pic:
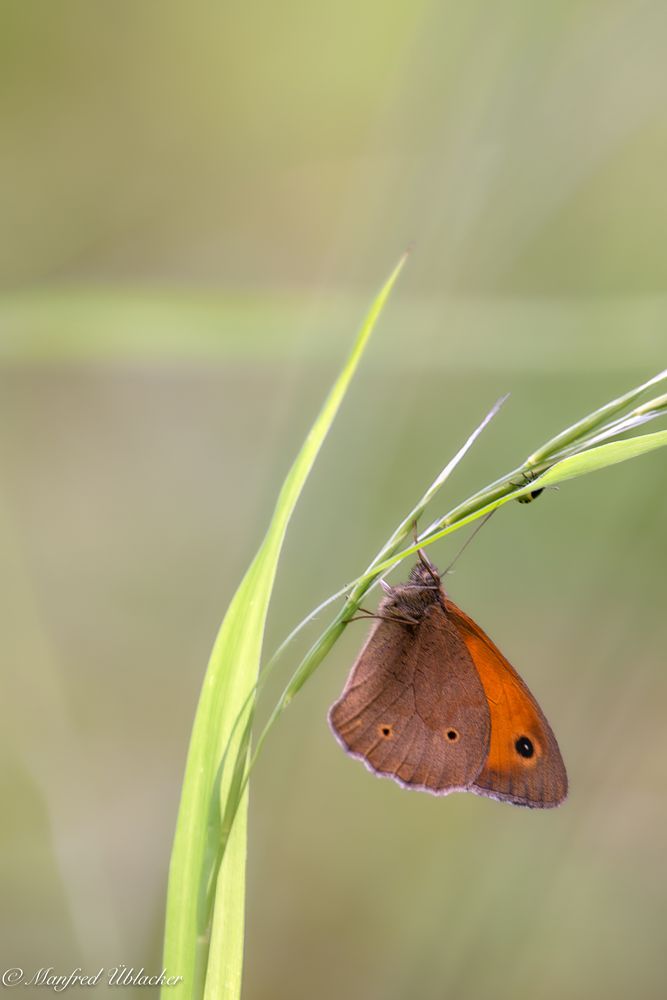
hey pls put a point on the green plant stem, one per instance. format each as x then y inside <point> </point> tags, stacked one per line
<point>576,432</point>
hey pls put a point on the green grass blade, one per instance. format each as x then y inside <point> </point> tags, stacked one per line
<point>599,458</point>
<point>654,406</point>
<point>230,677</point>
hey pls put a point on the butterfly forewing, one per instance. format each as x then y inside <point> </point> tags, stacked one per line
<point>524,764</point>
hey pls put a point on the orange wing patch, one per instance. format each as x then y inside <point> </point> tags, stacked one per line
<point>524,764</point>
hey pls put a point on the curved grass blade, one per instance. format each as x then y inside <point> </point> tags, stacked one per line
<point>227,687</point>
<point>599,458</point>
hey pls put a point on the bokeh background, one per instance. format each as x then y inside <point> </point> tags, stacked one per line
<point>198,201</point>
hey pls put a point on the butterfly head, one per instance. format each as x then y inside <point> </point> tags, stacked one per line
<point>424,575</point>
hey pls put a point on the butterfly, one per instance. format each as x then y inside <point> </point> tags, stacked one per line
<point>432,703</point>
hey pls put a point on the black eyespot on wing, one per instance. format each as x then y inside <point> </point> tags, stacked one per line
<point>524,747</point>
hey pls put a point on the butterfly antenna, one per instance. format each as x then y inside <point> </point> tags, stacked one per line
<point>468,541</point>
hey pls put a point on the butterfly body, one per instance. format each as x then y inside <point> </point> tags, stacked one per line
<point>432,703</point>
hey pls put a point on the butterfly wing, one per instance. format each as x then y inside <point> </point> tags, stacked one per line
<point>524,765</point>
<point>414,708</point>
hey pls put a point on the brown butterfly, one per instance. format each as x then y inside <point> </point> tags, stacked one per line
<point>432,703</point>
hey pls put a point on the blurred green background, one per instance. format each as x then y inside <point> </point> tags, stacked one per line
<point>198,201</point>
